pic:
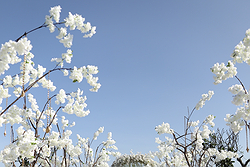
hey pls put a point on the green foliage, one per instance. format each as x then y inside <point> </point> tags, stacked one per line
<point>225,163</point>
<point>223,140</point>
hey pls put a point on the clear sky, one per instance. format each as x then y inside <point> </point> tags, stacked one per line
<point>154,59</point>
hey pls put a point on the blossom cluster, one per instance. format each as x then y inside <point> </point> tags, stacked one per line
<point>242,50</point>
<point>223,72</point>
<point>241,96</point>
<point>65,56</point>
<point>78,74</point>
<point>97,133</point>
<point>72,21</point>
<point>164,128</point>
<point>205,97</point>
<point>236,121</point>
<point>76,103</point>
<point>9,53</point>
<point>221,155</point>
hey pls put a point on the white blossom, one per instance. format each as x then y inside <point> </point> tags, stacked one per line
<point>67,40</point>
<point>67,56</point>
<point>63,33</point>
<point>65,72</point>
<point>13,116</point>
<point>60,98</point>
<point>193,124</point>
<point>49,23</point>
<point>223,71</point>
<point>164,128</point>
<point>23,46</point>
<point>206,132</point>
<point>205,97</point>
<point>209,120</point>
<point>97,133</point>
<point>55,12</point>
<point>76,75</point>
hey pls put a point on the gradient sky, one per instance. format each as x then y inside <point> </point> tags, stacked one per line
<point>154,59</point>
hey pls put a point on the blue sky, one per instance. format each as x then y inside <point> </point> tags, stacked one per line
<point>154,59</point>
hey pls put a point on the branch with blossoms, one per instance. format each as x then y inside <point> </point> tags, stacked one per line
<point>241,96</point>
<point>40,139</point>
<point>189,149</point>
